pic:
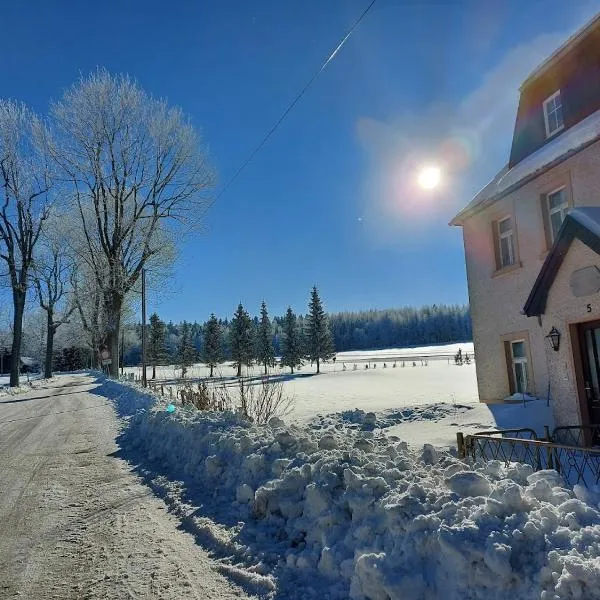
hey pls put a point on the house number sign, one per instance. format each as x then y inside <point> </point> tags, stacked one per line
<point>588,308</point>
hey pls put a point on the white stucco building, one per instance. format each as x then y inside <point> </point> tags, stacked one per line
<point>532,243</point>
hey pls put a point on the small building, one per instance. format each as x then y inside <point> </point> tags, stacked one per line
<point>28,364</point>
<point>532,243</point>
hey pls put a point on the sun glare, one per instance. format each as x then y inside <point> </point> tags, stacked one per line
<point>429,177</point>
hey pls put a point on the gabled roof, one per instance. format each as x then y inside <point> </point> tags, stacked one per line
<point>562,50</point>
<point>580,223</point>
<point>552,153</point>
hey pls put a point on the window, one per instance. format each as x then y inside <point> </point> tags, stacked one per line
<point>553,114</point>
<point>557,205</point>
<point>506,247</point>
<point>520,371</point>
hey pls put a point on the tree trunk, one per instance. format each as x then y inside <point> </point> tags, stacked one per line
<point>266,369</point>
<point>19,309</point>
<point>318,365</point>
<point>292,370</point>
<point>50,331</point>
<point>211,370</point>
<point>113,313</point>
<point>153,371</point>
<point>239,367</point>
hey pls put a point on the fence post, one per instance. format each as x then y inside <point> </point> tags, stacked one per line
<point>460,442</point>
<point>549,448</point>
<point>162,390</point>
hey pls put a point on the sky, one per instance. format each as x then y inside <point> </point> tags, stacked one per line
<point>331,199</point>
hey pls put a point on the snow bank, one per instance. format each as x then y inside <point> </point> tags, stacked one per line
<point>336,510</point>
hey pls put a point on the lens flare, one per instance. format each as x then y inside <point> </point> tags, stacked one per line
<point>429,177</point>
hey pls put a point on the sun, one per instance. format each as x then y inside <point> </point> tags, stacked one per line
<point>429,177</point>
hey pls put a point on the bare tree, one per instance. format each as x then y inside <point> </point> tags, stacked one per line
<point>52,275</point>
<point>138,176</point>
<point>24,206</point>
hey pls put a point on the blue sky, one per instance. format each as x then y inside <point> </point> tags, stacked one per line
<point>330,200</point>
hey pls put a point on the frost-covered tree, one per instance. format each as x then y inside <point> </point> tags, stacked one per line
<point>51,272</point>
<point>25,185</point>
<point>157,341</point>
<point>291,343</point>
<point>186,352</point>
<point>138,176</point>
<point>212,351</point>
<point>319,341</point>
<point>241,334</point>
<point>265,353</point>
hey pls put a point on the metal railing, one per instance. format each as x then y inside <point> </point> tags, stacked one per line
<point>578,464</point>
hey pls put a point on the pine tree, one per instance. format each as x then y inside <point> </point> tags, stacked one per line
<point>265,353</point>
<point>213,348</point>
<point>291,343</point>
<point>156,346</point>
<point>242,338</point>
<point>186,352</point>
<point>319,340</point>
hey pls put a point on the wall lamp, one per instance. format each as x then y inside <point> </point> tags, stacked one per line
<point>554,338</point>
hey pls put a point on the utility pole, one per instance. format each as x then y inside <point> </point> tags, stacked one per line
<point>122,350</point>
<point>144,379</point>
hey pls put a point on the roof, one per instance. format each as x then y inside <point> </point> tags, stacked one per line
<point>552,153</point>
<point>580,223</point>
<point>28,361</point>
<point>562,50</point>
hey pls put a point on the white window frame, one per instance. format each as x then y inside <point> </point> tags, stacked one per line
<point>505,235</point>
<point>519,360</point>
<point>546,102</point>
<point>562,208</point>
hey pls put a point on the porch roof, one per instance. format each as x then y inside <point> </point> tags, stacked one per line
<point>580,223</point>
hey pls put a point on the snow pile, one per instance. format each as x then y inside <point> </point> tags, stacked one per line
<point>359,419</point>
<point>345,512</point>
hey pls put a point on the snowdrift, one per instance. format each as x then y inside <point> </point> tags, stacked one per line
<point>340,510</point>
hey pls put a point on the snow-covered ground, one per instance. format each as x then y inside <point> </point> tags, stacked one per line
<point>23,381</point>
<point>445,394</point>
<point>336,508</point>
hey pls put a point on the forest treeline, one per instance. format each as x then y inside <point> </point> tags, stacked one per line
<point>360,330</point>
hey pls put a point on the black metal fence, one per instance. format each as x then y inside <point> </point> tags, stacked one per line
<point>566,451</point>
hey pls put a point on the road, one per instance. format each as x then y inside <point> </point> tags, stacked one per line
<point>75,522</point>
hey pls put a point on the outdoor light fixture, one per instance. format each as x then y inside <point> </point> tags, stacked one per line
<point>554,338</point>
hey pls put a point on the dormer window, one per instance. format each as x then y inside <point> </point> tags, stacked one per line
<point>553,114</point>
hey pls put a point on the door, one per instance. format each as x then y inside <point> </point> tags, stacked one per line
<point>589,336</point>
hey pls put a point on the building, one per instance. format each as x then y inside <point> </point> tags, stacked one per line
<point>28,364</point>
<point>532,243</point>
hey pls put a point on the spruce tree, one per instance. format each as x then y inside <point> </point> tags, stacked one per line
<point>242,339</point>
<point>186,352</point>
<point>213,351</point>
<point>156,346</point>
<point>291,343</point>
<point>265,353</point>
<point>319,341</point>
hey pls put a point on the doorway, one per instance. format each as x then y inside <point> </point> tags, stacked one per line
<point>589,346</point>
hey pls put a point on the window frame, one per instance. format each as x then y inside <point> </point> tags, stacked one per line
<point>500,236</point>
<point>563,208</point>
<point>520,360</point>
<point>547,101</point>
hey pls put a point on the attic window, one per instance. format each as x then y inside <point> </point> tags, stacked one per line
<point>553,114</point>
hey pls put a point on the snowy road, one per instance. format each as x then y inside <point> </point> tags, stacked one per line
<point>74,521</point>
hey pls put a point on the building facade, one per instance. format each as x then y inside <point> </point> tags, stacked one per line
<point>532,243</point>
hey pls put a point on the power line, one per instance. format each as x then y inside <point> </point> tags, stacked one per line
<point>294,102</point>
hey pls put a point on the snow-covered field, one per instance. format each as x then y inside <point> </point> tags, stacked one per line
<point>445,394</point>
<point>339,508</point>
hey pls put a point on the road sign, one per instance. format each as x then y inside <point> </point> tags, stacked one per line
<point>106,361</point>
<point>105,354</point>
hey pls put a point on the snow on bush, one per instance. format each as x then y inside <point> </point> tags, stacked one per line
<point>341,511</point>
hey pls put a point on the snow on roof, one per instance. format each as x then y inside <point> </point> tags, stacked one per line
<point>556,150</point>
<point>562,49</point>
